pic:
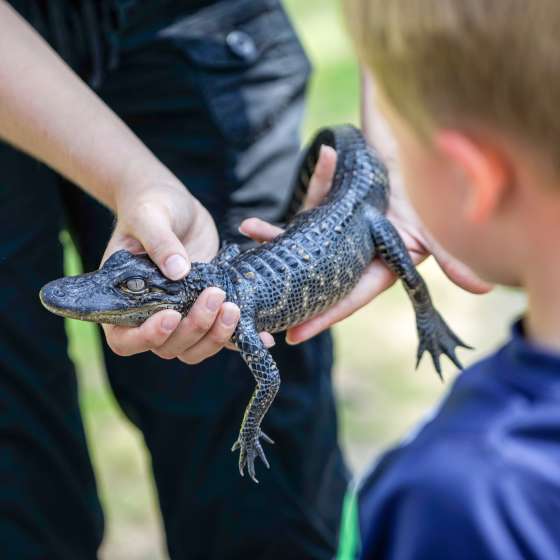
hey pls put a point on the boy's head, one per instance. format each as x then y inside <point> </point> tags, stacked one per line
<point>472,92</point>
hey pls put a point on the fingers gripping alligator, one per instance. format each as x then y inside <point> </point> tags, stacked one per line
<point>315,263</point>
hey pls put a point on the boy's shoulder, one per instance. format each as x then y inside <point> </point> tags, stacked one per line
<point>455,441</point>
<point>489,455</point>
<point>504,403</point>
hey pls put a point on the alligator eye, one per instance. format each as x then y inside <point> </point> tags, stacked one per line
<point>135,285</point>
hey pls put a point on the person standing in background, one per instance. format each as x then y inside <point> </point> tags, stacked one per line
<point>191,119</point>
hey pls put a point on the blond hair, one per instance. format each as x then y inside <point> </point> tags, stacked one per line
<point>455,62</point>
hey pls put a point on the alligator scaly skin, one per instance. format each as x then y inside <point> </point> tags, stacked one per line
<point>312,265</point>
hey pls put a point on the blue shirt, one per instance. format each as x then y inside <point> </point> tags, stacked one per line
<point>481,480</point>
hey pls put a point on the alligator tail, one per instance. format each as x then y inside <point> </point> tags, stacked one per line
<point>347,138</point>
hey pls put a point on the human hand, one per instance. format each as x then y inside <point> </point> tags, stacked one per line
<point>377,277</point>
<point>172,227</point>
<point>95,150</point>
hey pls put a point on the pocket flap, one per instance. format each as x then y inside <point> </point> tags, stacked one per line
<point>228,34</point>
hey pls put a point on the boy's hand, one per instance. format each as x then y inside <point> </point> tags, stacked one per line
<point>376,277</point>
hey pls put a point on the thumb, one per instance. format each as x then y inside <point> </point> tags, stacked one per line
<point>156,235</point>
<point>321,180</point>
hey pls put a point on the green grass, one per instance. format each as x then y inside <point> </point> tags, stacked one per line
<point>334,89</point>
<point>380,395</point>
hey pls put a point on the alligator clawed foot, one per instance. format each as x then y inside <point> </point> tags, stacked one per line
<point>250,448</point>
<point>437,338</point>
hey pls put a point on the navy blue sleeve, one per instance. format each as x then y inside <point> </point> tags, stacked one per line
<point>457,501</point>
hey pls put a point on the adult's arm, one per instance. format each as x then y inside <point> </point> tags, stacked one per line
<point>47,111</point>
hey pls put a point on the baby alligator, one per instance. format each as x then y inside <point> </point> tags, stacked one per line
<point>314,264</point>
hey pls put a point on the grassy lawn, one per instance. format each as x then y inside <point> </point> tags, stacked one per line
<point>379,393</point>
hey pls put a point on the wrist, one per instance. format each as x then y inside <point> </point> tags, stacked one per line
<point>143,186</point>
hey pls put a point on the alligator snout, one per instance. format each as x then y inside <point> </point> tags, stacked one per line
<point>53,296</point>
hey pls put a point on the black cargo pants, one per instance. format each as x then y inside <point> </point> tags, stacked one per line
<point>217,93</point>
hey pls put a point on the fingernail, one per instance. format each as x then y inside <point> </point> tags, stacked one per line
<point>170,323</point>
<point>229,316</point>
<point>214,300</point>
<point>176,267</point>
<point>289,341</point>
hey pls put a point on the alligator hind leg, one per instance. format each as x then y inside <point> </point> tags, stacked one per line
<point>433,333</point>
<point>267,377</point>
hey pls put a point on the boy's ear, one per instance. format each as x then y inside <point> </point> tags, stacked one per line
<point>485,170</point>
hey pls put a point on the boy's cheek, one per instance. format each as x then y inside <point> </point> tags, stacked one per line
<point>435,192</point>
<point>440,208</point>
<point>445,219</point>
<point>425,194</point>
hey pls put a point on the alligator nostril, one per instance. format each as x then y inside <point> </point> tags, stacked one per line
<point>58,292</point>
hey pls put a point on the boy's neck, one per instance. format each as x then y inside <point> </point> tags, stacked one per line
<point>542,323</point>
<point>537,242</point>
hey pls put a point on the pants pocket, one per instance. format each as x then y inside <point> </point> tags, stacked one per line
<point>248,61</point>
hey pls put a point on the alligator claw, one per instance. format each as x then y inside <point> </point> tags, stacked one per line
<point>260,452</point>
<point>437,338</point>
<point>266,438</point>
<point>249,450</point>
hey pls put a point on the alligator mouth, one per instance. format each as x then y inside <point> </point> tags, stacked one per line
<point>131,317</point>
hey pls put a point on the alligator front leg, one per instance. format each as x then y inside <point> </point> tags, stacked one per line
<point>226,253</point>
<point>267,377</point>
<point>434,334</point>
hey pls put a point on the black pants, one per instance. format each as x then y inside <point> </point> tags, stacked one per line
<point>222,110</point>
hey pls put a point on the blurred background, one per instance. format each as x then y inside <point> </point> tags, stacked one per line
<point>380,395</point>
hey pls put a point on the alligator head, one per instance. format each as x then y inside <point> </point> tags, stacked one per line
<point>126,290</point>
